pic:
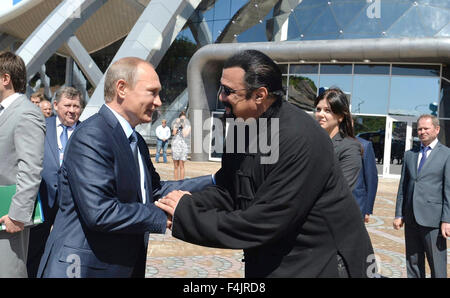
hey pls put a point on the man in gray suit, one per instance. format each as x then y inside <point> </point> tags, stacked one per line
<point>423,202</point>
<point>22,132</point>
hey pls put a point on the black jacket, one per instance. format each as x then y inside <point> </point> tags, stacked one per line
<point>291,217</point>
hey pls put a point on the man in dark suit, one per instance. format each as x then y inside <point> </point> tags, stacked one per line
<point>107,184</point>
<point>366,187</point>
<point>290,209</point>
<point>67,104</point>
<point>423,202</point>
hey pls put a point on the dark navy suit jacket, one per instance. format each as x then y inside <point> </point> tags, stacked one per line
<point>101,226</point>
<point>367,183</point>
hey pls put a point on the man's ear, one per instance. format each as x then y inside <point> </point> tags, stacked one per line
<point>261,94</point>
<point>121,87</point>
<point>5,79</point>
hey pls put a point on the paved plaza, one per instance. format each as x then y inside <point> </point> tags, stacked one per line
<point>170,257</point>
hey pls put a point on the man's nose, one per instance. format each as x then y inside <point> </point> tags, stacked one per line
<point>157,102</point>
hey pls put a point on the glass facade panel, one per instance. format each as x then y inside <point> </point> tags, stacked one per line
<point>283,68</point>
<point>372,69</point>
<point>323,25</point>
<point>304,68</point>
<point>416,70</point>
<point>372,128</point>
<point>335,69</point>
<point>345,11</point>
<point>370,94</point>
<point>411,96</point>
<point>344,82</point>
<point>444,103</point>
<point>409,25</point>
<point>444,132</point>
<point>302,91</point>
<point>222,10</point>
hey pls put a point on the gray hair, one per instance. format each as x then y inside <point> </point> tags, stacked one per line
<point>69,92</point>
<point>434,119</point>
<point>123,69</point>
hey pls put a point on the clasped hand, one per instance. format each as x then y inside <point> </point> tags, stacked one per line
<point>169,203</point>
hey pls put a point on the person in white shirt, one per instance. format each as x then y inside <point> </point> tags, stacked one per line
<point>162,135</point>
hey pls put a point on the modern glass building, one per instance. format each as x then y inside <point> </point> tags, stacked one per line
<point>389,56</point>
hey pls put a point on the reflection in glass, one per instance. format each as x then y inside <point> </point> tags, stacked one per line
<point>283,68</point>
<point>303,68</point>
<point>344,82</point>
<point>411,96</point>
<point>370,94</point>
<point>416,70</point>
<point>302,91</point>
<point>372,128</point>
<point>372,69</point>
<point>335,69</point>
<point>444,136</point>
<point>444,104</point>
<point>397,144</point>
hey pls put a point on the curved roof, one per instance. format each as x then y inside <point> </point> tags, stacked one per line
<point>113,21</point>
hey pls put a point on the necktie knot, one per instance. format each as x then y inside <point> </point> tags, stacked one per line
<point>1,108</point>
<point>133,138</point>
<point>425,149</point>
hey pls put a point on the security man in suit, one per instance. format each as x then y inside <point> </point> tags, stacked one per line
<point>291,209</point>
<point>107,184</point>
<point>423,202</point>
<point>22,132</point>
<point>68,105</point>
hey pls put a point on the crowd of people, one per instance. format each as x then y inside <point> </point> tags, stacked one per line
<point>302,215</point>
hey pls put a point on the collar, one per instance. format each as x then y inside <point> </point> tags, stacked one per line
<point>126,126</point>
<point>432,145</point>
<point>58,123</point>
<point>9,100</point>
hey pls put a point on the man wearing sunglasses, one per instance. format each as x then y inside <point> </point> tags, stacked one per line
<point>295,217</point>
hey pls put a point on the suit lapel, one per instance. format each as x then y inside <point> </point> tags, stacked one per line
<point>431,157</point>
<point>123,146</point>
<point>415,158</point>
<point>51,138</point>
<point>10,111</point>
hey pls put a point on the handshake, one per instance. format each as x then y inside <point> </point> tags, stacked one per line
<point>169,203</point>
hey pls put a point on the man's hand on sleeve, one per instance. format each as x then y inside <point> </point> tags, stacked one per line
<point>12,226</point>
<point>169,203</point>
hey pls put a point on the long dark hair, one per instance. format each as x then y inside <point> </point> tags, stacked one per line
<point>339,105</point>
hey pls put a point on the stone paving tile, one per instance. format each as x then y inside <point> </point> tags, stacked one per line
<point>170,257</point>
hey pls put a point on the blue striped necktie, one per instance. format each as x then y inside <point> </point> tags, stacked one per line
<point>64,137</point>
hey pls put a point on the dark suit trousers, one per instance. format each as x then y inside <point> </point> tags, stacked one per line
<point>421,241</point>
<point>38,237</point>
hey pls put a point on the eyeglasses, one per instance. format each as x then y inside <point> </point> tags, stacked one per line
<point>227,90</point>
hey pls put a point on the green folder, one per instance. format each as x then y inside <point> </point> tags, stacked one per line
<point>6,194</point>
